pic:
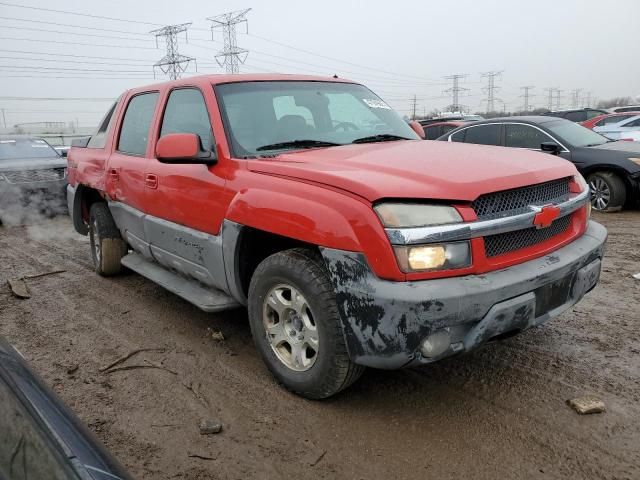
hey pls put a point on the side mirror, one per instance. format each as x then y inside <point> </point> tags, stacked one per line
<point>416,127</point>
<point>182,148</point>
<point>550,147</point>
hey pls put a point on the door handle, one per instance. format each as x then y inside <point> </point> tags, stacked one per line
<point>113,173</point>
<point>151,180</point>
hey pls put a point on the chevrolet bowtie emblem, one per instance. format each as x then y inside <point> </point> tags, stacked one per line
<point>545,215</point>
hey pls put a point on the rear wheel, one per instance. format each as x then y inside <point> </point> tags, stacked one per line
<point>296,325</point>
<point>608,191</point>
<point>107,246</point>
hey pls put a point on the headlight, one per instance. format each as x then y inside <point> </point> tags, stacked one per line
<point>635,160</point>
<point>407,215</point>
<point>582,183</point>
<point>443,256</point>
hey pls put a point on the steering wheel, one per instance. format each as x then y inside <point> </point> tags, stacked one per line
<point>346,126</point>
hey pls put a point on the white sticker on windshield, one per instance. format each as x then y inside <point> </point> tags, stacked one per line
<point>374,103</point>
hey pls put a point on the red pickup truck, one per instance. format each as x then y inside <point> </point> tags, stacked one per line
<point>351,242</point>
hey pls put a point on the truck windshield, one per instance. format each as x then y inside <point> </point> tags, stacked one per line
<point>268,117</point>
<point>575,134</point>
<point>25,148</point>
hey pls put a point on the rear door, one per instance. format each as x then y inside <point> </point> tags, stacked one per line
<point>125,175</point>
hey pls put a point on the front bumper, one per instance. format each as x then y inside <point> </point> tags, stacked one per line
<point>385,321</point>
<point>48,196</point>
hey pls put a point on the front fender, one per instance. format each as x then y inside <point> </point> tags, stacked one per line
<point>318,216</point>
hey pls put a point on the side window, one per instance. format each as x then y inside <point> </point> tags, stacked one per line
<point>134,134</point>
<point>99,138</point>
<point>580,116</point>
<point>483,134</point>
<point>593,113</point>
<point>285,106</point>
<point>186,112</point>
<point>459,135</point>
<point>524,136</point>
<point>432,132</point>
<point>635,123</point>
<point>447,128</point>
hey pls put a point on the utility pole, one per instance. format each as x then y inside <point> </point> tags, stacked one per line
<point>414,103</point>
<point>526,95</point>
<point>232,56</point>
<point>491,89</point>
<point>4,120</point>
<point>455,91</point>
<point>172,63</point>
<point>575,98</point>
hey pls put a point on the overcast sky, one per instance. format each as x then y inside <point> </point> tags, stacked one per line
<point>399,49</point>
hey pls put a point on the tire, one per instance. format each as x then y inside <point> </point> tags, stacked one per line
<point>323,368</point>
<point>608,191</point>
<point>107,246</point>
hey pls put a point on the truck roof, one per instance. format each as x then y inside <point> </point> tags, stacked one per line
<point>216,79</point>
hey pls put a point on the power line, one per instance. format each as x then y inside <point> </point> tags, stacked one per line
<point>74,56</point>
<point>231,54</point>
<point>82,34</point>
<point>490,89</point>
<point>173,63</point>
<point>76,43</point>
<point>58,24</point>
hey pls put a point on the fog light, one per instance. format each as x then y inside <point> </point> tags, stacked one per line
<point>435,344</point>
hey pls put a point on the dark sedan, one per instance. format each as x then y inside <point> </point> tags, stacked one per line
<point>39,436</point>
<point>33,178</point>
<point>612,169</point>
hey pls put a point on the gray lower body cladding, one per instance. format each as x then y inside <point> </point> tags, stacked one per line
<point>386,321</point>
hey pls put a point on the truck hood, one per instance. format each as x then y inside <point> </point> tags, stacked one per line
<point>417,169</point>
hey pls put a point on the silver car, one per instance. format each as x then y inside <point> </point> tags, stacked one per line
<point>627,129</point>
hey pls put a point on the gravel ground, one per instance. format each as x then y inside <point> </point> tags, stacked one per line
<point>496,413</point>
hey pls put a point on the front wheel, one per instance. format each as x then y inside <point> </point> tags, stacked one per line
<point>296,326</point>
<point>107,246</point>
<point>608,192</point>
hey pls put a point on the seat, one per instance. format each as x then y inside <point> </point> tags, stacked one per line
<point>292,127</point>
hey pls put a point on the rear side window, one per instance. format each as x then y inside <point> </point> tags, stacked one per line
<point>431,133</point>
<point>576,116</point>
<point>134,135</point>
<point>459,135</point>
<point>186,112</point>
<point>483,134</point>
<point>99,139</point>
<point>524,136</point>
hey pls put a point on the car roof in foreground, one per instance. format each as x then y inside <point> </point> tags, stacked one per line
<point>218,79</point>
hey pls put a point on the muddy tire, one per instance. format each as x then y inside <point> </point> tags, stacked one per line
<point>608,191</point>
<point>296,326</point>
<point>107,246</point>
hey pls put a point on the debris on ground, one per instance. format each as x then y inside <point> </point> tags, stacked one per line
<point>201,457</point>
<point>215,334</point>
<point>636,276</point>
<point>318,458</point>
<point>19,288</point>
<point>72,369</point>
<point>208,427</point>
<point>126,357</point>
<point>586,405</point>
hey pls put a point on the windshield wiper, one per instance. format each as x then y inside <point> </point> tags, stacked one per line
<point>305,143</point>
<point>381,137</point>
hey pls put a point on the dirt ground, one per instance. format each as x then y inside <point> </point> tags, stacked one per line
<point>497,413</point>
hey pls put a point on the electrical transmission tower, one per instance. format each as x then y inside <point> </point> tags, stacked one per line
<point>558,98</point>
<point>455,91</point>
<point>550,92</point>
<point>172,63</point>
<point>526,95</point>
<point>586,100</point>
<point>491,89</point>
<point>231,56</point>
<point>575,98</point>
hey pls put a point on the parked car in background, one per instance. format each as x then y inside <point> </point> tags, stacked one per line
<point>611,168</point>
<point>607,118</point>
<point>40,438</point>
<point>577,115</point>
<point>626,108</point>
<point>351,242</point>
<point>450,118</point>
<point>432,131</point>
<point>622,130</point>
<point>33,177</point>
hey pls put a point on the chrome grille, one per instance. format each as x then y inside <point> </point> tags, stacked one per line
<point>502,243</point>
<point>515,201</point>
<point>34,176</point>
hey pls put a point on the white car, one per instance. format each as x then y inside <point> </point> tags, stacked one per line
<point>626,108</point>
<point>628,129</point>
